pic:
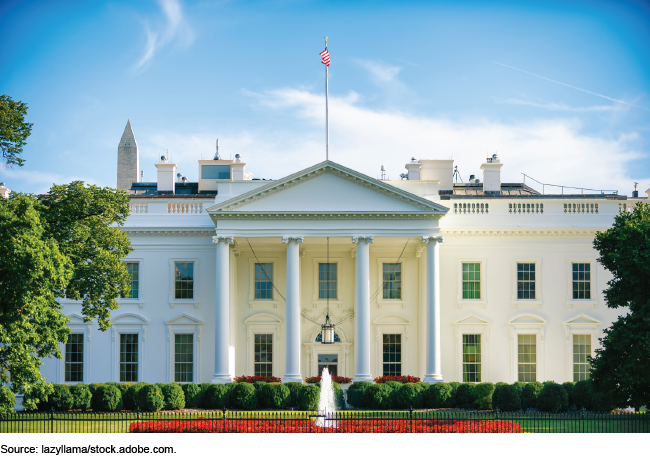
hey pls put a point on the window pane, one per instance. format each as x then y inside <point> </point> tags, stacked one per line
<point>581,355</point>
<point>527,357</point>
<point>183,357</point>
<point>74,361</point>
<point>392,354</point>
<point>128,357</point>
<point>263,353</point>
<point>525,281</point>
<point>184,280</point>
<point>327,280</point>
<point>471,280</point>
<point>264,280</point>
<point>133,269</point>
<point>471,358</point>
<point>392,275</point>
<point>581,280</point>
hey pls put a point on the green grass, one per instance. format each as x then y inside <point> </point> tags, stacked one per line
<point>119,422</point>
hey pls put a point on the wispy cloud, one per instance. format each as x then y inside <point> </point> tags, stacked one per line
<point>574,87</point>
<point>364,139</point>
<point>552,106</point>
<point>174,28</point>
<point>380,72</point>
<point>22,180</point>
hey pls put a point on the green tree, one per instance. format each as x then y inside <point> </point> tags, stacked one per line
<point>65,243</point>
<point>621,368</point>
<point>13,130</point>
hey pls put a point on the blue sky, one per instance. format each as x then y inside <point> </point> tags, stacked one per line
<point>430,79</point>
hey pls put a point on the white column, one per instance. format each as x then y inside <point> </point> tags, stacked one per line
<point>222,318</point>
<point>292,363</point>
<point>362,317</point>
<point>433,361</point>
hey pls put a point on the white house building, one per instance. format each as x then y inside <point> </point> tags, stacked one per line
<point>231,275</point>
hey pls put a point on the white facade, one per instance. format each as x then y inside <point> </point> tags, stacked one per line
<point>286,223</point>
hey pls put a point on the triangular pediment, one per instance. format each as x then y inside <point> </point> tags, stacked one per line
<point>184,319</point>
<point>262,318</point>
<point>327,187</point>
<point>582,319</point>
<point>472,319</point>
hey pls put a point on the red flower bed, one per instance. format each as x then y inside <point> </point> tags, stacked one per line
<point>365,425</point>
<point>397,378</point>
<point>335,378</point>
<point>257,378</point>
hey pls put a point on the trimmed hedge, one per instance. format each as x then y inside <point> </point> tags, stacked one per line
<point>150,398</point>
<point>106,398</point>
<point>130,396</point>
<point>409,395</point>
<point>531,391</point>
<point>437,396</point>
<point>294,390</point>
<point>81,396</point>
<point>192,393</point>
<point>216,396</point>
<point>274,396</point>
<point>378,397</point>
<point>61,400</point>
<point>174,396</point>
<point>506,397</point>
<point>465,396</point>
<point>7,402</point>
<point>583,394</point>
<point>553,398</point>
<point>93,387</point>
<point>203,403</point>
<point>483,393</point>
<point>243,397</point>
<point>568,386</point>
<point>308,397</point>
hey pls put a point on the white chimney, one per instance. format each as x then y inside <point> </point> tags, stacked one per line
<point>4,191</point>
<point>413,169</point>
<point>238,168</point>
<point>492,175</point>
<point>166,183</point>
<point>438,169</point>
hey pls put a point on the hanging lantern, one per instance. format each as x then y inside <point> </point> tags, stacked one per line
<point>327,331</point>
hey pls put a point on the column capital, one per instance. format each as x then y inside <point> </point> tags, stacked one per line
<point>367,239</point>
<point>223,238</point>
<point>432,238</point>
<point>300,239</point>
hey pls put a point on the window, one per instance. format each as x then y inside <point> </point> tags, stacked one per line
<point>471,280</point>
<point>184,280</point>
<point>128,357</point>
<point>392,272</point>
<point>74,358</point>
<point>184,358</point>
<point>263,355</point>
<point>264,280</point>
<point>581,355</point>
<point>134,271</point>
<point>328,361</point>
<point>327,280</point>
<point>527,357</point>
<point>526,281</point>
<point>472,358</point>
<point>392,354</point>
<point>581,280</point>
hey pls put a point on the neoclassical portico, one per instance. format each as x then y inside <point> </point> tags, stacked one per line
<point>303,209</point>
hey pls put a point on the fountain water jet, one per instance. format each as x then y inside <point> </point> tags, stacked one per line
<point>326,402</point>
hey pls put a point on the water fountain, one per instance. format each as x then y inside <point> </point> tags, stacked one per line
<point>326,402</point>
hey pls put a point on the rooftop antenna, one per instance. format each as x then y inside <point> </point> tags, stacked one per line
<point>216,155</point>
<point>141,176</point>
<point>456,174</point>
<point>383,173</point>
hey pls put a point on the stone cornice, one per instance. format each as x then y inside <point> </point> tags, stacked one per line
<point>522,233</point>
<point>334,169</point>
<point>169,233</point>
<point>325,216</point>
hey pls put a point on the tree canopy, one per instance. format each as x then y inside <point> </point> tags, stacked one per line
<point>13,130</point>
<point>63,244</point>
<point>622,366</point>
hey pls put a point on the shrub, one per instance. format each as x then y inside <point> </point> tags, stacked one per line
<point>409,395</point>
<point>274,396</point>
<point>124,387</point>
<point>360,385</point>
<point>465,396</point>
<point>531,391</point>
<point>216,396</point>
<point>506,397</point>
<point>130,397</point>
<point>583,393</point>
<point>36,398</point>
<point>454,389</point>
<point>294,389</point>
<point>601,402</point>
<point>339,397</point>
<point>7,402</point>
<point>308,397</point>
<point>568,386</point>
<point>257,378</point>
<point>437,396</point>
<point>500,384</point>
<point>204,388</point>
<point>378,397</point>
<point>553,398</point>
<point>150,398</point>
<point>192,393</point>
<point>61,399</point>
<point>335,378</point>
<point>93,387</point>
<point>483,393</point>
<point>394,385</point>
<point>173,396</point>
<point>397,378</point>
<point>243,397</point>
<point>106,398</point>
<point>81,396</point>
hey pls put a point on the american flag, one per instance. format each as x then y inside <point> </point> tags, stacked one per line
<point>326,57</point>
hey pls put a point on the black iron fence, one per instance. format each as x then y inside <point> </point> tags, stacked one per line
<point>345,421</point>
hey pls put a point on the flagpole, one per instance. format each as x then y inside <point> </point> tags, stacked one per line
<point>327,119</point>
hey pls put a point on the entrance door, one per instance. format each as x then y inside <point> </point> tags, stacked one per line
<point>328,361</point>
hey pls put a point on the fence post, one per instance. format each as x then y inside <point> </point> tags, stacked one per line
<point>583,419</point>
<point>223,417</point>
<point>411,417</point>
<point>51,419</point>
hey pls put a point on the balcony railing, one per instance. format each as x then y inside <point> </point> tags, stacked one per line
<point>184,207</point>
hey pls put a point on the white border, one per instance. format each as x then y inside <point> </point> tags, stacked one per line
<point>128,323</point>
<point>380,283</point>
<point>527,323</point>
<point>252,302</point>
<point>483,301</point>
<point>570,301</point>
<point>263,323</point>
<point>483,329</point>
<point>139,301</point>
<point>184,324</point>
<point>172,289</point>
